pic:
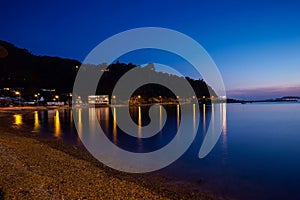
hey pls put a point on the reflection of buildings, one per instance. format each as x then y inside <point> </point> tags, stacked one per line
<point>224,120</point>
<point>224,125</point>
<point>93,121</point>
<point>217,122</point>
<point>102,117</point>
<point>78,101</point>
<point>204,118</point>
<point>194,118</point>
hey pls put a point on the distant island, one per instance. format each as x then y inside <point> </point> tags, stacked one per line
<point>52,77</point>
<point>281,99</point>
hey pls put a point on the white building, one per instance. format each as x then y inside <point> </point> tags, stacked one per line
<point>98,100</point>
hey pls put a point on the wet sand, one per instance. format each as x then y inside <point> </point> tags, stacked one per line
<point>32,167</point>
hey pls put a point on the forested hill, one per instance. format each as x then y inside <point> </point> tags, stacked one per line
<point>20,68</point>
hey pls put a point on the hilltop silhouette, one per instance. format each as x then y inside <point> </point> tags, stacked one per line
<point>20,68</point>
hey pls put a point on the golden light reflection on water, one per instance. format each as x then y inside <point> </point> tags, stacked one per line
<point>57,128</point>
<point>204,118</point>
<point>194,118</point>
<point>107,110</point>
<point>93,120</point>
<point>213,116</point>
<point>178,116</point>
<point>36,121</point>
<point>100,118</point>
<point>79,122</point>
<point>18,119</point>
<point>140,122</point>
<point>224,125</point>
<point>71,117</point>
<point>106,118</point>
<point>224,118</point>
<point>115,125</point>
<point>160,117</point>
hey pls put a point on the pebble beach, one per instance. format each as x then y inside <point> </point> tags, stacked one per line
<point>37,168</point>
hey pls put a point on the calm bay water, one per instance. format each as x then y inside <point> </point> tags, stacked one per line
<point>256,157</point>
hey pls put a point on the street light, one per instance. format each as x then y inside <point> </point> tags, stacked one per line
<point>19,93</point>
<point>114,98</point>
<point>139,97</point>
<point>37,98</point>
<point>70,99</point>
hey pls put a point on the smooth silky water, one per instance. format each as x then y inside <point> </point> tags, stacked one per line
<point>256,157</point>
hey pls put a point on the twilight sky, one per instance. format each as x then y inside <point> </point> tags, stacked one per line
<point>254,43</point>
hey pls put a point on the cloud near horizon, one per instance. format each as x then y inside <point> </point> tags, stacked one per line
<point>264,92</point>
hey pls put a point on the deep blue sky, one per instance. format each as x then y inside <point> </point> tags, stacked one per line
<point>255,43</point>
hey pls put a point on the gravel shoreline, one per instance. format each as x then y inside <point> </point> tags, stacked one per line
<point>32,167</point>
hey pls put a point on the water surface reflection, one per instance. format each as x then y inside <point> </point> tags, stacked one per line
<point>255,157</point>
<point>18,119</point>
<point>57,128</point>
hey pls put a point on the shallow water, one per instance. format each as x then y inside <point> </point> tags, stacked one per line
<point>256,156</point>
